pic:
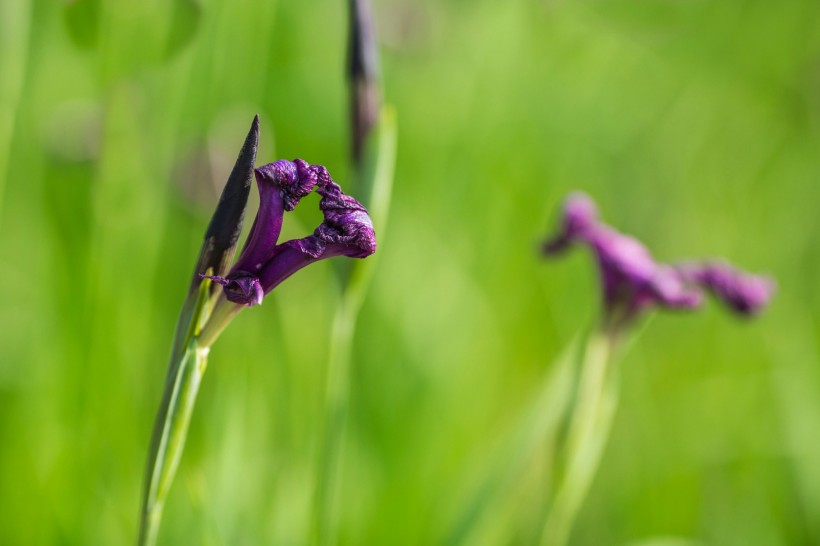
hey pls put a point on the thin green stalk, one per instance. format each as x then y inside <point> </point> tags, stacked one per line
<point>538,424</point>
<point>223,312</point>
<point>376,179</point>
<point>337,402</point>
<point>204,315</point>
<point>328,480</point>
<point>170,432</point>
<point>174,416</point>
<point>587,435</point>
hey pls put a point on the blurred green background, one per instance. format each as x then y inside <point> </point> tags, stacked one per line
<point>694,123</point>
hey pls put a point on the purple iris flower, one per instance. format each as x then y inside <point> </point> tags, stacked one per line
<point>633,281</point>
<point>264,263</point>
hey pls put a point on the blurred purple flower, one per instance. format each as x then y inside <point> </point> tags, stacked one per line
<point>264,264</point>
<point>633,281</point>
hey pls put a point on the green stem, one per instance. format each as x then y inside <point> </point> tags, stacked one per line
<point>539,423</point>
<point>170,431</point>
<point>375,178</point>
<point>189,358</point>
<point>329,475</point>
<point>223,313</point>
<point>587,435</point>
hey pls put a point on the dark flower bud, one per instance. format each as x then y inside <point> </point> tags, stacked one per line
<point>363,68</point>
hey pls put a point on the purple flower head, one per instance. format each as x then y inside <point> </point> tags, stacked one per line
<point>744,293</point>
<point>265,263</point>
<point>632,280</point>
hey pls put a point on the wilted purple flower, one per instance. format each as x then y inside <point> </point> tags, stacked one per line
<point>633,281</point>
<point>743,292</point>
<point>264,264</point>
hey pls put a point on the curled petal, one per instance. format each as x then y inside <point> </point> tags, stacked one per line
<point>346,231</point>
<point>282,184</point>
<point>346,223</point>
<point>294,179</point>
<point>300,187</point>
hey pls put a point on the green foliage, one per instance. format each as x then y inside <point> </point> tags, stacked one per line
<point>695,125</point>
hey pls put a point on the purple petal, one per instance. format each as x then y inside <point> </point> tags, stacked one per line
<point>282,185</point>
<point>346,231</point>
<point>580,216</point>
<point>289,259</point>
<point>296,188</point>
<point>743,292</point>
<point>294,179</point>
<point>580,213</point>
<point>622,256</point>
<point>267,225</point>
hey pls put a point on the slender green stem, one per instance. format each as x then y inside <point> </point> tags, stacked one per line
<point>328,479</point>
<point>189,358</point>
<point>337,399</point>
<point>170,431</point>
<point>587,435</point>
<point>223,312</point>
<point>375,178</point>
<point>539,423</point>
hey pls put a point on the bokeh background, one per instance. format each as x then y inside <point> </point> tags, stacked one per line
<point>694,123</point>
